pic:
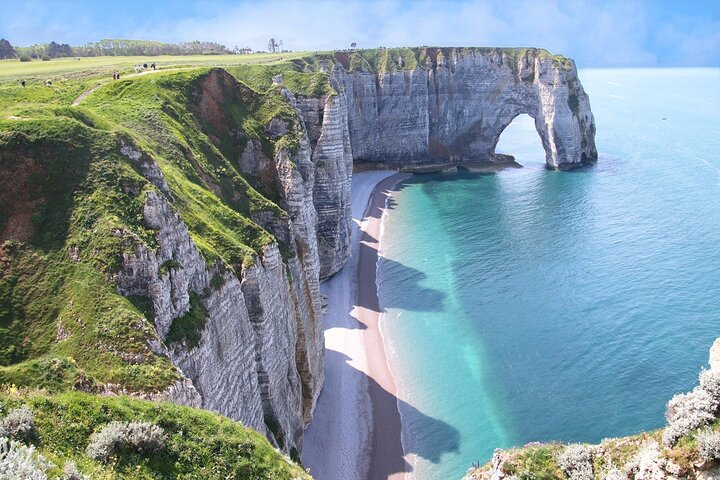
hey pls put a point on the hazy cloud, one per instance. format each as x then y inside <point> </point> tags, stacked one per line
<point>594,33</point>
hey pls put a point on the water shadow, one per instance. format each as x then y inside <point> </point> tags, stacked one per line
<point>377,205</point>
<point>367,295</point>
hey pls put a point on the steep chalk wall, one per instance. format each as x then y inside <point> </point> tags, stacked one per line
<point>260,354</point>
<point>326,119</point>
<point>450,108</point>
<point>453,106</point>
<point>259,357</point>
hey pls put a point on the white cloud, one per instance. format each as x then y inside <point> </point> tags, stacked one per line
<point>594,33</point>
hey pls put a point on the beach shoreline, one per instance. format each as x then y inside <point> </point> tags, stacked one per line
<point>356,431</point>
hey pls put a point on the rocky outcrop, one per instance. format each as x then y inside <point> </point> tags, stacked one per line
<point>453,106</point>
<point>328,131</point>
<point>222,367</point>
<point>259,357</point>
<point>450,108</point>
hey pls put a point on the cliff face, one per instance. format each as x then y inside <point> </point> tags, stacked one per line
<point>217,209</point>
<point>453,106</point>
<point>259,355</point>
<point>328,130</point>
<point>405,108</point>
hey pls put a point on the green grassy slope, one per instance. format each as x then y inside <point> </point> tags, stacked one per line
<point>62,192</point>
<point>72,205</point>
<point>90,67</point>
<point>198,444</point>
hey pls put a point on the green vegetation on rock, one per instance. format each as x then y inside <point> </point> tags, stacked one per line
<point>388,60</point>
<point>187,327</point>
<point>72,193</point>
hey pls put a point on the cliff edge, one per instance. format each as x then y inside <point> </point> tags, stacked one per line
<point>450,105</point>
<point>166,237</point>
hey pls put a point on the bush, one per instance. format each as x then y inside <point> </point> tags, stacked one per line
<point>145,437</point>
<point>708,444</point>
<point>19,462</point>
<point>710,382</point>
<point>19,424</point>
<point>576,462</point>
<point>105,442</point>
<point>615,474</point>
<point>24,58</point>
<point>45,58</point>
<point>141,437</point>
<point>71,472</point>
<point>686,412</point>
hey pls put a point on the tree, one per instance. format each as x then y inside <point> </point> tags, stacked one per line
<point>55,50</point>
<point>6,50</point>
<point>353,45</point>
<point>274,45</point>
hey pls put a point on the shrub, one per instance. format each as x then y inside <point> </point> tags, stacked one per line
<point>105,442</point>
<point>708,444</point>
<point>576,462</point>
<point>686,412</point>
<point>615,474</point>
<point>19,424</point>
<point>24,58</point>
<point>145,437</point>
<point>141,437</point>
<point>71,472</point>
<point>710,382</point>
<point>19,462</point>
<point>45,58</point>
<point>648,463</point>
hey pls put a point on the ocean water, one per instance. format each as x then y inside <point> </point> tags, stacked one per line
<point>533,305</point>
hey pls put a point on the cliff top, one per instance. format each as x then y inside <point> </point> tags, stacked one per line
<point>385,60</point>
<point>304,71</point>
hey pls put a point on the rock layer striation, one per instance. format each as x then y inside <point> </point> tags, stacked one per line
<point>259,358</point>
<point>440,108</point>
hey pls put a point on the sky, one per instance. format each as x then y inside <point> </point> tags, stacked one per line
<point>595,33</point>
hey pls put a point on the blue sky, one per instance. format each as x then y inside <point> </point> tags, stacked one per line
<point>595,33</point>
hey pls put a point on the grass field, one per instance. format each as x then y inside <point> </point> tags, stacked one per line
<point>89,67</point>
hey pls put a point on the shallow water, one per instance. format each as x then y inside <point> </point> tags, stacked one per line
<point>533,305</point>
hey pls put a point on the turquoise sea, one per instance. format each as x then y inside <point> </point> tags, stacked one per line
<point>533,305</point>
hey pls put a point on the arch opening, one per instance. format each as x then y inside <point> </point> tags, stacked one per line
<point>521,139</point>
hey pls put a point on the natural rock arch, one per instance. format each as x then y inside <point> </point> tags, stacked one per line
<point>453,107</point>
<point>525,120</point>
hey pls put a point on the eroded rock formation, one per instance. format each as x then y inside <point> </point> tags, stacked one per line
<point>453,106</point>
<point>260,354</point>
<point>450,108</point>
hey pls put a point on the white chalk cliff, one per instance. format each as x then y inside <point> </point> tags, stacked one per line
<point>260,355</point>
<point>453,106</point>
